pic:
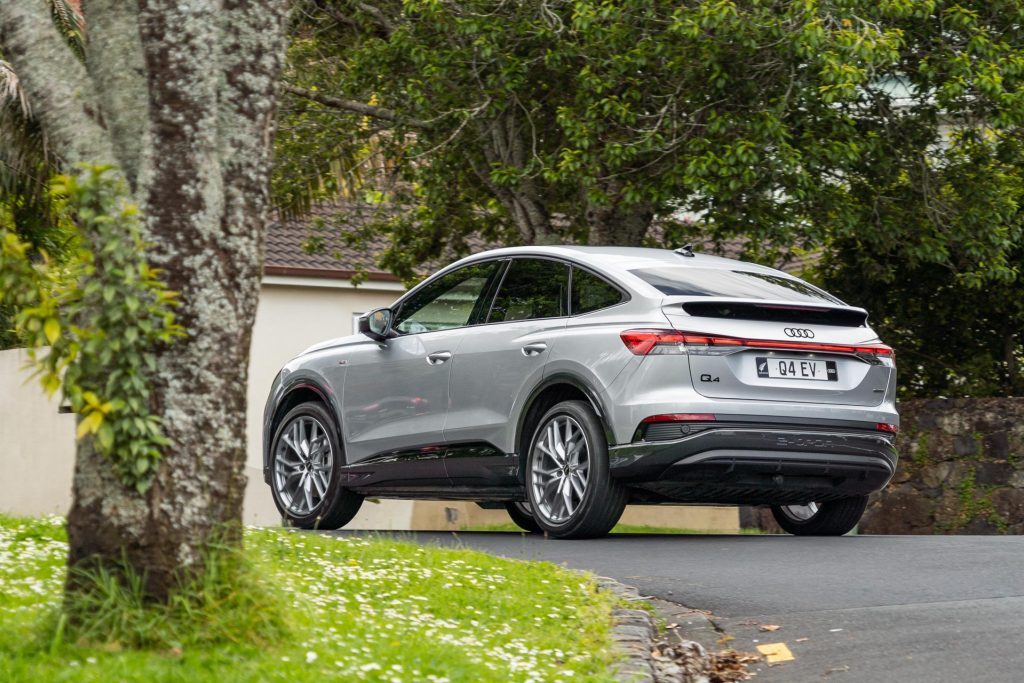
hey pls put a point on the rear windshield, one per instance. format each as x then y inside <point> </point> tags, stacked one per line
<point>740,284</point>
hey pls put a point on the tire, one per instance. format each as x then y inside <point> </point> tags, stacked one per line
<point>568,513</point>
<point>522,515</point>
<point>834,518</point>
<point>301,503</point>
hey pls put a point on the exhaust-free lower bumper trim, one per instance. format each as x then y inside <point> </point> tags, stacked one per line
<point>759,465</point>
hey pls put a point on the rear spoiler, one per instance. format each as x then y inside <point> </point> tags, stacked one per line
<point>770,311</point>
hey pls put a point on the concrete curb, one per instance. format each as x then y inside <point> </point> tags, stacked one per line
<point>646,658</point>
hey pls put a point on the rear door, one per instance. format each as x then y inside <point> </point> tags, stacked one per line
<point>497,362</point>
<point>757,334</point>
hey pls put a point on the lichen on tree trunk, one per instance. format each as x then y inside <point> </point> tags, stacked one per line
<point>190,130</point>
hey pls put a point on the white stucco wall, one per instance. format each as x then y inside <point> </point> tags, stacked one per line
<point>293,315</point>
<point>37,444</point>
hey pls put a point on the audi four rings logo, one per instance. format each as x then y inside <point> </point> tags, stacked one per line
<point>800,332</point>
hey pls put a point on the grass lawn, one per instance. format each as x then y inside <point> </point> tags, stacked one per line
<point>354,608</point>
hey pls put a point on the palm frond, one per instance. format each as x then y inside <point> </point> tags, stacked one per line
<point>69,21</point>
<point>26,160</point>
<point>11,91</point>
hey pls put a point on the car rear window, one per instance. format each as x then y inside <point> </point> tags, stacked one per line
<point>739,284</point>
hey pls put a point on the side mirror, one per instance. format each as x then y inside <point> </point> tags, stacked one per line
<point>376,324</point>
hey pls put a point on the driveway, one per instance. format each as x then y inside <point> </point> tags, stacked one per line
<point>858,608</point>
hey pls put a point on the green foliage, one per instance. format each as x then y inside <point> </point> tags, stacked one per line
<point>974,503</point>
<point>27,164</point>
<point>69,23</point>
<point>949,303</point>
<point>885,134</point>
<point>930,232</point>
<point>787,123</point>
<point>951,339</point>
<point>92,333</point>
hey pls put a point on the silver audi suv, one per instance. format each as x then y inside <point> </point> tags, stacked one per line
<point>564,382</point>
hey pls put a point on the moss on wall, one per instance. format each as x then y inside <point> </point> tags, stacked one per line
<point>961,470</point>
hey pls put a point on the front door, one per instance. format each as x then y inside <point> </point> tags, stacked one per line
<point>395,395</point>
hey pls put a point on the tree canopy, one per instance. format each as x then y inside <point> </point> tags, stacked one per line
<point>783,122</point>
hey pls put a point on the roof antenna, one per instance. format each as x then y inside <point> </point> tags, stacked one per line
<point>685,250</point>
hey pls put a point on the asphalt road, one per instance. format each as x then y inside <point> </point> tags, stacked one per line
<point>857,608</point>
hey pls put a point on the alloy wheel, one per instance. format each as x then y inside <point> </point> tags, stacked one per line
<point>561,469</point>
<point>303,461</point>
<point>801,513</point>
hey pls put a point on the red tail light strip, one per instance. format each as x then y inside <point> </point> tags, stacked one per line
<point>680,417</point>
<point>886,427</point>
<point>641,342</point>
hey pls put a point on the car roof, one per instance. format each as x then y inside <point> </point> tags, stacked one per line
<point>623,259</point>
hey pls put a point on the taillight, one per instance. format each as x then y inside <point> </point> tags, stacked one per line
<point>654,342</point>
<point>661,342</point>
<point>886,427</point>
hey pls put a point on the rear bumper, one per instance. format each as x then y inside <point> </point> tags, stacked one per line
<point>758,463</point>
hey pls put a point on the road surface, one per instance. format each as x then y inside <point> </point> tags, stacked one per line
<point>857,608</point>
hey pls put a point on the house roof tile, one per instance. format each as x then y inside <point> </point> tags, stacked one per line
<point>325,243</point>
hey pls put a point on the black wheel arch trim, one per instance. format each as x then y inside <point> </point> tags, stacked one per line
<point>593,397</point>
<point>327,397</point>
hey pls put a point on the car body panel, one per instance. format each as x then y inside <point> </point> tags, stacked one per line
<point>491,370</point>
<point>394,399</point>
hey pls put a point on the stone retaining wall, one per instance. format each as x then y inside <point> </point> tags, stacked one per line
<point>961,470</point>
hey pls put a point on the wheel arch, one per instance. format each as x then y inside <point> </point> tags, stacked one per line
<point>553,390</point>
<point>301,390</point>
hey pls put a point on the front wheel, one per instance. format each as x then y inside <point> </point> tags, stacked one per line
<point>833,518</point>
<point>306,468</point>
<point>568,483</point>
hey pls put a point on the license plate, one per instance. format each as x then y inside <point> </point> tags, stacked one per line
<point>797,368</point>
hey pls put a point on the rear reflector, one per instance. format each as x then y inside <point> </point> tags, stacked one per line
<point>680,417</point>
<point>886,427</point>
<point>655,342</point>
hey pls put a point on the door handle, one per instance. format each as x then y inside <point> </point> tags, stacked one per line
<point>534,349</point>
<point>439,357</point>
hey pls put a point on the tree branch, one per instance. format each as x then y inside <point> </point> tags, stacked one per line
<point>353,106</point>
<point>62,95</point>
<point>379,17</point>
<point>253,38</point>
<point>113,55</point>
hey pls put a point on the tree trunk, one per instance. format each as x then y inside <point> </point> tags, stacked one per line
<point>618,225</point>
<point>503,145</point>
<point>194,144</point>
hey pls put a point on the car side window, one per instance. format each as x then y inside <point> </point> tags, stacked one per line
<point>447,302</point>
<point>592,293</point>
<point>532,289</point>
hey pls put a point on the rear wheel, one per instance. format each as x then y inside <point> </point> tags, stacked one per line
<point>522,515</point>
<point>833,518</point>
<point>570,490</point>
<point>305,470</point>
